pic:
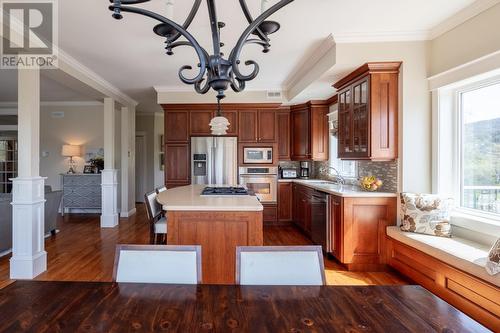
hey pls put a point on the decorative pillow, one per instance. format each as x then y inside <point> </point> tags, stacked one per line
<point>426,214</point>
<point>493,264</point>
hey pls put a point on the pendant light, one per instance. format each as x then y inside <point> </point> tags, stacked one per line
<point>220,124</point>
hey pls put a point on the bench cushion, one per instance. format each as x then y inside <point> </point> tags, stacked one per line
<point>460,253</point>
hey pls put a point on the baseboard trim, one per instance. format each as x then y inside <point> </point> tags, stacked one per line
<point>131,212</point>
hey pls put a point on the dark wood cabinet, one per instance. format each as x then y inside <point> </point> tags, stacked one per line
<point>200,122</point>
<point>302,198</point>
<point>177,165</point>
<point>283,132</point>
<point>309,131</point>
<point>257,126</point>
<point>270,213</point>
<point>177,126</point>
<point>368,112</point>
<point>232,116</point>
<point>357,230</point>
<point>285,202</point>
<point>300,134</point>
<point>248,121</point>
<point>335,206</point>
<point>267,126</point>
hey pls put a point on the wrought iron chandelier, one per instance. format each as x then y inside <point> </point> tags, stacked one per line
<point>215,71</point>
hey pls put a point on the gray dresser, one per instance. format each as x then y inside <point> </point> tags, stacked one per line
<point>81,192</point>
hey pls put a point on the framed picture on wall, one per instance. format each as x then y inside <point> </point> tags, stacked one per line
<point>162,143</point>
<point>162,161</point>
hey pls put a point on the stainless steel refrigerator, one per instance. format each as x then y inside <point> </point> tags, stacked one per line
<point>214,160</point>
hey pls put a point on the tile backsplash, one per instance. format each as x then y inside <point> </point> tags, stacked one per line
<point>386,171</point>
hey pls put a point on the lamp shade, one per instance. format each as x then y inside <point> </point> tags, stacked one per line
<point>71,150</point>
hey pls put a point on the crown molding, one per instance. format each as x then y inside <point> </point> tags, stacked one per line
<point>377,37</point>
<point>13,105</point>
<point>462,16</point>
<point>108,87</point>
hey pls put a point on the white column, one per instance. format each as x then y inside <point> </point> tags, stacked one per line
<point>109,215</point>
<point>127,185</point>
<point>29,258</point>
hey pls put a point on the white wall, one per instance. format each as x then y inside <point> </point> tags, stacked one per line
<point>152,124</point>
<point>81,125</point>
<point>415,104</point>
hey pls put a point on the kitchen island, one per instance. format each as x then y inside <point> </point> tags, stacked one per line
<point>217,223</point>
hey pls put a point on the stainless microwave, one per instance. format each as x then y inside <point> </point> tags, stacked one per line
<point>258,155</point>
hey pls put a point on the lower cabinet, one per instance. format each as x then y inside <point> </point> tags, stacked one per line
<point>270,214</point>
<point>356,227</point>
<point>285,202</point>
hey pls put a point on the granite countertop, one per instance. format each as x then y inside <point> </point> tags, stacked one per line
<point>189,198</point>
<point>347,191</point>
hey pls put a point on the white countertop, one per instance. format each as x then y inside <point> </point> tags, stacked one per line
<point>347,191</point>
<point>189,198</point>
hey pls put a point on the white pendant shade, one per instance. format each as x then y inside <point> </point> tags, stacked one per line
<point>219,126</point>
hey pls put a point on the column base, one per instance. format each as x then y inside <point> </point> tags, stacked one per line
<point>109,216</point>
<point>28,267</point>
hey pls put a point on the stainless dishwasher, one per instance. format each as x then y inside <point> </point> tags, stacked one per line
<point>319,219</point>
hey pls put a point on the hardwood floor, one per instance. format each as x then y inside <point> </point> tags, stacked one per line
<point>82,251</point>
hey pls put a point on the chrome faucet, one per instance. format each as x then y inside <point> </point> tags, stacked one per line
<point>338,177</point>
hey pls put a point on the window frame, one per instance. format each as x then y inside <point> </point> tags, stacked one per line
<point>458,156</point>
<point>339,163</point>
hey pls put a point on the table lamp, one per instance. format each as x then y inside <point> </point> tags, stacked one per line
<point>71,151</point>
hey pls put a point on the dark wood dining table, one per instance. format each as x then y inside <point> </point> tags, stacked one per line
<point>37,306</point>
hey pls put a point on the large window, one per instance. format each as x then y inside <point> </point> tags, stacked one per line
<point>348,169</point>
<point>479,147</point>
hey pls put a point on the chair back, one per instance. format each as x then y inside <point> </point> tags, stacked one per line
<point>161,189</point>
<point>280,265</point>
<point>152,206</point>
<point>157,264</point>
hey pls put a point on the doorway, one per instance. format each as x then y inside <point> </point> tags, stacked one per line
<point>140,167</point>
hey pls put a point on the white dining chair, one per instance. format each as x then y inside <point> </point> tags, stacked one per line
<point>280,265</point>
<point>161,189</point>
<point>157,219</point>
<point>171,264</point>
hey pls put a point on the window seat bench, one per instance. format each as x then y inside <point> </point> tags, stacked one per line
<point>452,268</point>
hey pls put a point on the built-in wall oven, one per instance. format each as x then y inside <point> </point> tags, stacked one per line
<point>257,155</point>
<point>263,181</point>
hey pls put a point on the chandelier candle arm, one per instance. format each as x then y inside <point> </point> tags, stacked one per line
<point>215,71</point>
<point>199,50</point>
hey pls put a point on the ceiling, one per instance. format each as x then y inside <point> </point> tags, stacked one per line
<point>128,55</point>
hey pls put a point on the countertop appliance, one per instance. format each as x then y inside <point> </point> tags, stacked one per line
<point>214,160</point>
<point>224,191</point>
<point>305,169</point>
<point>320,229</point>
<point>263,181</point>
<point>258,155</point>
<point>289,173</point>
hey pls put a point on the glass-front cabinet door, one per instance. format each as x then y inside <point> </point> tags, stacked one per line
<point>360,118</point>
<point>354,120</point>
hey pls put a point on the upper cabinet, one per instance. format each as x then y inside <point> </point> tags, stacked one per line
<point>200,122</point>
<point>248,129</point>
<point>309,131</point>
<point>283,132</point>
<point>177,126</point>
<point>368,112</point>
<point>258,126</point>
